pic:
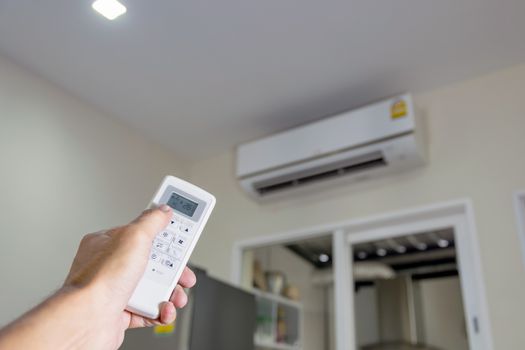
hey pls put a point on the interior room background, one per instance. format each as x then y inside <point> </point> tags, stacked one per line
<point>73,169</point>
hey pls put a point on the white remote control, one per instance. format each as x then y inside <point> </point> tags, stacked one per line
<point>173,246</point>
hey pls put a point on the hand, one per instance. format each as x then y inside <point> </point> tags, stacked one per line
<point>111,264</point>
<point>88,312</point>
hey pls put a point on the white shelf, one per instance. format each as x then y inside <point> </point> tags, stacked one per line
<point>277,298</point>
<point>276,346</point>
<point>269,309</point>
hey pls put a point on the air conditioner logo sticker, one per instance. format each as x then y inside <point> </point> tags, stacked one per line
<point>398,110</point>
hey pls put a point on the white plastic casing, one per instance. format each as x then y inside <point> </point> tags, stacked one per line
<point>159,280</point>
<point>314,148</point>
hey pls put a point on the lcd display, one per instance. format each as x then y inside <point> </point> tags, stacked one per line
<point>182,205</point>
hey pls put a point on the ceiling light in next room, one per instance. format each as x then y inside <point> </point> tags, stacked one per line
<point>110,9</point>
<point>324,258</point>
<point>381,252</point>
<point>443,243</point>
<point>362,255</point>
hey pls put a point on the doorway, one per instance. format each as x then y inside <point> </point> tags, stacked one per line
<point>407,293</point>
<point>455,216</point>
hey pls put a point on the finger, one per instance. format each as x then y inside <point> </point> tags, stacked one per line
<point>179,297</point>
<point>188,278</point>
<point>138,321</point>
<point>152,221</point>
<point>168,313</point>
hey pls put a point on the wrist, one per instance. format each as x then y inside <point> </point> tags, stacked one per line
<point>94,295</point>
<point>62,321</point>
<point>87,295</point>
<point>75,309</point>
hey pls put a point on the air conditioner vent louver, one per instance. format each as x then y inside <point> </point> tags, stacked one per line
<point>338,169</point>
<point>384,138</point>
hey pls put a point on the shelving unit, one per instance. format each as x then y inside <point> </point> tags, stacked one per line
<point>279,322</point>
<point>276,346</point>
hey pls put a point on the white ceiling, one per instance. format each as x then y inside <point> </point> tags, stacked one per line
<point>203,75</point>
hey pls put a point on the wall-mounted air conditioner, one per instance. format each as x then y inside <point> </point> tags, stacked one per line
<point>375,140</point>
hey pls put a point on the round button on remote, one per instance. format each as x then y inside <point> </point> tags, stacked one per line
<point>166,235</point>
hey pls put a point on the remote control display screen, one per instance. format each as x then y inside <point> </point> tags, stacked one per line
<point>182,204</point>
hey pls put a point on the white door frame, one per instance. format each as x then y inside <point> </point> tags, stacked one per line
<point>458,214</point>
<point>519,206</point>
<point>460,218</point>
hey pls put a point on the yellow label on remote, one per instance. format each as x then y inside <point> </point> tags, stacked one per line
<point>398,110</point>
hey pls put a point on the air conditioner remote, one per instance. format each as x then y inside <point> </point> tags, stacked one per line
<point>172,246</point>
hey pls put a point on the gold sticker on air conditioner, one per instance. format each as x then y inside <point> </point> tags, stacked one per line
<point>399,109</point>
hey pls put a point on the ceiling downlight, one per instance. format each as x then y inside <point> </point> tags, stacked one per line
<point>111,9</point>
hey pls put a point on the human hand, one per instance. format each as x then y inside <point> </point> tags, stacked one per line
<point>109,264</point>
<point>88,312</point>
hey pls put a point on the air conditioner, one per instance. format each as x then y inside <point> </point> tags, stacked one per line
<point>371,141</point>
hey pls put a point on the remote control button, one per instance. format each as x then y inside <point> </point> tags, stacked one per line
<point>170,263</point>
<point>160,245</point>
<point>184,229</point>
<point>181,241</point>
<point>166,235</point>
<point>176,251</point>
<point>173,223</point>
<point>154,256</point>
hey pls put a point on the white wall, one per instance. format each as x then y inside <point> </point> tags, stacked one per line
<point>442,313</point>
<point>366,316</point>
<point>476,145</point>
<point>441,321</point>
<point>393,309</point>
<point>66,170</point>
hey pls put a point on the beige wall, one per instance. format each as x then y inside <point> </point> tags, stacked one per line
<point>393,308</point>
<point>66,169</point>
<point>440,322</point>
<point>476,149</point>
<point>443,320</point>
<point>366,315</point>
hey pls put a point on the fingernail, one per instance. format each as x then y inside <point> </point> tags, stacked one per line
<point>165,208</point>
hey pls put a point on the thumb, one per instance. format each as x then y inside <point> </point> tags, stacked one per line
<point>152,221</point>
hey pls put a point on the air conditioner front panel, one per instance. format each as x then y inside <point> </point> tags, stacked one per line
<point>349,130</point>
<point>365,162</point>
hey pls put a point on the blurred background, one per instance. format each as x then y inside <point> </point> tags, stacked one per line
<point>366,157</point>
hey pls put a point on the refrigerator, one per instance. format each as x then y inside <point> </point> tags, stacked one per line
<point>218,316</point>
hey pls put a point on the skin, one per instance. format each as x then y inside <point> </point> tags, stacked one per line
<point>88,311</point>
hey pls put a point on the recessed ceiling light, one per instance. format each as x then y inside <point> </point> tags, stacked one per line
<point>401,249</point>
<point>381,252</point>
<point>362,255</point>
<point>443,243</point>
<point>421,246</point>
<point>324,258</point>
<point>110,9</point>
